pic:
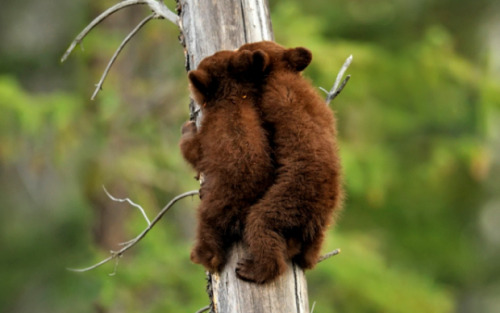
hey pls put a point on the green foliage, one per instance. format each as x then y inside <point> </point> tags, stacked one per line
<point>414,123</point>
<point>366,281</point>
<point>26,119</point>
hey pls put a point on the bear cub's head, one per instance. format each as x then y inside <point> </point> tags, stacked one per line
<point>225,73</point>
<point>280,58</point>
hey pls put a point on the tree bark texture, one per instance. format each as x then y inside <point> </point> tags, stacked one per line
<point>208,26</point>
<point>286,294</point>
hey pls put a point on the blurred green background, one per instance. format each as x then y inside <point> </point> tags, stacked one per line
<point>419,126</point>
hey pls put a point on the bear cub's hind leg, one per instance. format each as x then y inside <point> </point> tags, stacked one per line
<point>266,254</point>
<point>208,249</point>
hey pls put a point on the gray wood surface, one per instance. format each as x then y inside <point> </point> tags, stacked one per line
<point>287,294</point>
<point>211,25</point>
<point>208,26</point>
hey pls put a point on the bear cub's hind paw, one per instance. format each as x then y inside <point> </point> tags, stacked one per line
<point>248,270</point>
<point>207,257</point>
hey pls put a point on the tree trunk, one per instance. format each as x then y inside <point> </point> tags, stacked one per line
<point>286,294</point>
<point>206,27</point>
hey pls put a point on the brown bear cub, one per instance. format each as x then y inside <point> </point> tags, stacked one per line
<point>231,149</point>
<point>289,221</point>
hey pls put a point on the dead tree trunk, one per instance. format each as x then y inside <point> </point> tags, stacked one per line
<point>207,27</point>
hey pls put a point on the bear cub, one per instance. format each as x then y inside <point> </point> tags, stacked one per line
<point>289,221</point>
<point>230,149</point>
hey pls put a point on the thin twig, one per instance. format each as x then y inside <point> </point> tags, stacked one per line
<point>312,308</point>
<point>106,260</point>
<point>130,202</point>
<point>328,255</point>
<point>336,89</point>
<point>203,309</point>
<point>163,11</point>
<point>346,64</point>
<point>344,82</point>
<point>116,266</point>
<point>131,243</point>
<point>126,242</point>
<point>115,55</point>
<point>157,7</point>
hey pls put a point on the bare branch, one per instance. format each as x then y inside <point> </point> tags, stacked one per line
<point>203,309</point>
<point>131,243</point>
<point>130,202</point>
<point>328,255</point>
<point>116,266</point>
<point>115,55</point>
<point>106,260</point>
<point>333,95</point>
<point>161,9</point>
<point>158,7</point>
<point>336,89</point>
<point>347,62</point>
<point>126,242</point>
<point>312,308</point>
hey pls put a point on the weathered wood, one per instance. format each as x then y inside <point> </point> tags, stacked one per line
<point>287,294</point>
<point>208,26</point>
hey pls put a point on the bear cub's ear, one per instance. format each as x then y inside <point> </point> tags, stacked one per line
<point>260,60</point>
<point>298,58</point>
<point>249,62</point>
<point>200,85</point>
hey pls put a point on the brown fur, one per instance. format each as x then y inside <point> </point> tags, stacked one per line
<point>231,149</point>
<point>290,220</point>
<point>268,153</point>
